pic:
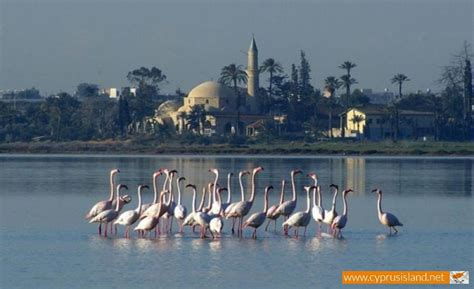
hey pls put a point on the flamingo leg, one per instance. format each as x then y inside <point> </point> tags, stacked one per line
<point>268,223</point>
<point>275,229</point>
<point>233,224</point>
<point>100,228</point>
<point>116,230</point>
<point>304,234</point>
<point>396,231</point>
<point>106,225</point>
<point>171,226</point>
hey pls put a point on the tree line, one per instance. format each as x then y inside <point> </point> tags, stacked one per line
<point>90,115</point>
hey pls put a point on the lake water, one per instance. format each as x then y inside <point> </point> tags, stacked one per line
<point>46,243</point>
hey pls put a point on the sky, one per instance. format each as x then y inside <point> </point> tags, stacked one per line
<point>55,45</point>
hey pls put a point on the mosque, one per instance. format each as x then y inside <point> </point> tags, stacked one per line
<point>220,103</point>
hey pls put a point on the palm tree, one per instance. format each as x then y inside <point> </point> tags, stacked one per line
<point>273,67</point>
<point>331,84</point>
<point>400,79</point>
<point>357,119</point>
<point>196,118</point>
<point>233,74</point>
<point>348,81</point>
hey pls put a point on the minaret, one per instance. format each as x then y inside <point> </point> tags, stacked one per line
<point>252,69</point>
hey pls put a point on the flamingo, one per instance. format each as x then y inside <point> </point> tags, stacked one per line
<point>216,206</point>
<point>229,193</point>
<point>287,208</point>
<point>155,192</point>
<point>272,214</point>
<point>108,216</point>
<point>231,206</point>
<point>386,219</point>
<point>189,220</point>
<point>152,220</point>
<point>180,210</point>
<point>257,219</point>
<point>301,219</point>
<point>171,203</point>
<point>216,225</point>
<point>128,218</point>
<point>105,204</point>
<point>201,216</point>
<point>317,211</point>
<point>331,214</point>
<point>241,209</point>
<point>340,221</point>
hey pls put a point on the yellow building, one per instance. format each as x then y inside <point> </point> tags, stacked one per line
<point>376,122</point>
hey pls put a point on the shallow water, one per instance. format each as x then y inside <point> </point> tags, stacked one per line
<point>46,243</point>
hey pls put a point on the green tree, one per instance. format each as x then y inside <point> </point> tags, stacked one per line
<point>272,67</point>
<point>196,119</point>
<point>356,120</point>
<point>231,75</point>
<point>347,80</point>
<point>331,84</point>
<point>145,76</point>
<point>87,90</point>
<point>304,76</point>
<point>399,79</point>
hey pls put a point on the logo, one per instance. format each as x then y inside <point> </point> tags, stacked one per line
<point>459,277</point>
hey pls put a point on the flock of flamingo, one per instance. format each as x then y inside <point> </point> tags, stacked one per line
<point>211,218</point>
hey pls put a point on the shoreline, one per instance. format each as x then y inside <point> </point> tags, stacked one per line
<point>326,148</point>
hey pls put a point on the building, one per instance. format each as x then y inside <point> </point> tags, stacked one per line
<point>376,123</point>
<point>219,103</point>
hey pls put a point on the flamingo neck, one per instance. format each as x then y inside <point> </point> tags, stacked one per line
<point>112,186</point>
<point>209,201</point>
<point>334,200</point>
<point>179,192</point>
<point>344,197</point>
<point>214,189</point>
<point>229,194</point>
<point>117,206</point>
<point>319,197</point>
<point>201,205</point>
<point>139,208</point>
<point>308,201</point>
<point>194,200</point>
<point>282,194</point>
<point>170,186</point>
<point>265,205</point>
<point>166,180</point>
<point>242,188</point>
<point>379,205</point>
<point>314,197</point>
<point>293,186</point>
<point>252,195</point>
<point>155,190</point>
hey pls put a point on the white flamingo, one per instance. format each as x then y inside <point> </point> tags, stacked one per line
<point>329,215</point>
<point>152,221</point>
<point>170,203</point>
<point>155,191</point>
<point>216,225</point>
<point>241,209</point>
<point>189,220</point>
<point>317,211</point>
<point>128,218</point>
<point>180,210</point>
<point>110,215</point>
<point>340,221</point>
<point>257,219</point>
<point>301,219</point>
<point>386,219</point>
<point>231,206</point>
<point>216,206</point>
<point>287,208</point>
<point>229,193</point>
<point>272,213</point>
<point>105,204</point>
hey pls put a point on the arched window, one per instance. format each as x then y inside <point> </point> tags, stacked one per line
<point>207,101</point>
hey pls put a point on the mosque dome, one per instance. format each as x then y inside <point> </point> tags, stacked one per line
<point>211,89</point>
<point>167,107</point>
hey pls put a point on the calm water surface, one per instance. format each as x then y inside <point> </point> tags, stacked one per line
<point>46,243</point>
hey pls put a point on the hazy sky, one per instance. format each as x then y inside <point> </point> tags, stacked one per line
<point>54,45</point>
